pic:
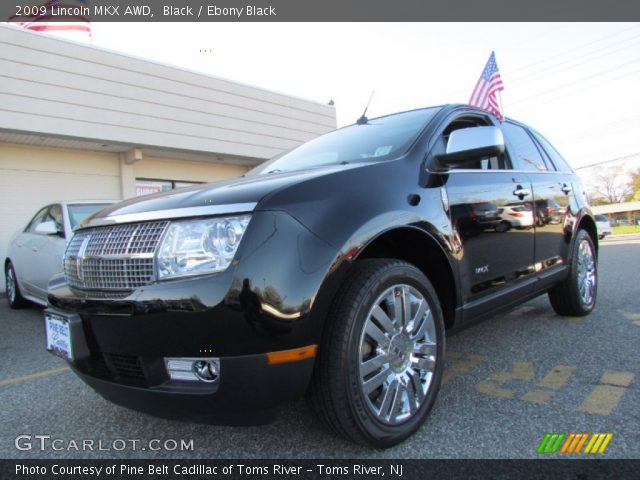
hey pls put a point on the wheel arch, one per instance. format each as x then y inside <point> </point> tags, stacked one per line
<point>419,248</point>
<point>587,223</point>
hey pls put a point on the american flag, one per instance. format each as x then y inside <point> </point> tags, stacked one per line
<point>489,84</point>
<point>43,19</point>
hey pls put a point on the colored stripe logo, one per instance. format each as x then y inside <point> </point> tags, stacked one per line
<point>574,443</point>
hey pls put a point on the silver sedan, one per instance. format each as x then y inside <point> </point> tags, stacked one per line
<point>35,253</point>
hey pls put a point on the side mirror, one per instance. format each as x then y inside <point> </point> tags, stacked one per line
<point>48,228</point>
<point>469,144</point>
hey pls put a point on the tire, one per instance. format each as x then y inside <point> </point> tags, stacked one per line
<point>576,295</point>
<point>14,297</point>
<point>382,402</point>
<point>503,226</point>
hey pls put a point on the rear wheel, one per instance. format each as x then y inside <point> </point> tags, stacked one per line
<point>381,358</point>
<point>14,297</point>
<point>576,295</point>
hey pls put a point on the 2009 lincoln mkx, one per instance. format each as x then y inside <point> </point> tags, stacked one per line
<point>332,270</point>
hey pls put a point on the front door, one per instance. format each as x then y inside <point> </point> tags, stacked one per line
<point>497,250</point>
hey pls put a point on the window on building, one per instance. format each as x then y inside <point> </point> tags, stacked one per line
<point>146,186</point>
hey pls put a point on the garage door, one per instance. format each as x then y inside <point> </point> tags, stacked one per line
<point>31,177</point>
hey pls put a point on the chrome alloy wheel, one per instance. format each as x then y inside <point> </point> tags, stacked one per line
<point>11,285</point>
<point>586,272</point>
<point>397,354</point>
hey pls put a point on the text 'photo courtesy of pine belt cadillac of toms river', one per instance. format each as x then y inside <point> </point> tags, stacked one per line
<point>332,271</point>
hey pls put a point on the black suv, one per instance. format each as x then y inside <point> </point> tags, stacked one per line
<point>333,270</point>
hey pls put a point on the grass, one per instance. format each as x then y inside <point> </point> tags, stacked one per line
<point>626,229</point>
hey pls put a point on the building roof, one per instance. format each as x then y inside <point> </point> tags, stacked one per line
<point>62,93</point>
<point>616,208</point>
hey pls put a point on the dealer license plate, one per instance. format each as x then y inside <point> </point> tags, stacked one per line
<point>58,335</point>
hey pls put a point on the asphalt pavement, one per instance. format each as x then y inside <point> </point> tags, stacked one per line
<point>509,381</point>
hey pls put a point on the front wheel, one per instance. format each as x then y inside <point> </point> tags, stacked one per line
<point>14,297</point>
<point>576,295</point>
<point>381,358</point>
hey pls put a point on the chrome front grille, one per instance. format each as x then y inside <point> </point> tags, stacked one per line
<point>116,257</point>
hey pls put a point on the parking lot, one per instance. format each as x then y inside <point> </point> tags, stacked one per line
<point>508,382</point>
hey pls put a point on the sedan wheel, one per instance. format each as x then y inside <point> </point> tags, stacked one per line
<point>14,297</point>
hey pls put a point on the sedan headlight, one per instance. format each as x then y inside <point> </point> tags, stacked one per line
<point>196,247</point>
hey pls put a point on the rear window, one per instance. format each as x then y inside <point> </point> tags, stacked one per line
<point>601,218</point>
<point>557,159</point>
<point>486,207</point>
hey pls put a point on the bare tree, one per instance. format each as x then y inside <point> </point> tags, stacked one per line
<point>634,185</point>
<point>610,186</point>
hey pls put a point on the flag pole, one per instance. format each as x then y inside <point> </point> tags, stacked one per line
<point>501,105</point>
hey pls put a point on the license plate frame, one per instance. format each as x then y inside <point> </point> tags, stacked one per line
<point>58,335</point>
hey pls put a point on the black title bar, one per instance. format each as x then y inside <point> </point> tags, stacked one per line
<point>317,469</point>
<point>326,10</point>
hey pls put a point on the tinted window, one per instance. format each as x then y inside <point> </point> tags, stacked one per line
<point>379,139</point>
<point>557,159</point>
<point>601,218</point>
<point>78,212</point>
<point>524,153</point>
<point>37,219</point>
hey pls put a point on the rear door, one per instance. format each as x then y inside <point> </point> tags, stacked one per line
<point>553,192</point>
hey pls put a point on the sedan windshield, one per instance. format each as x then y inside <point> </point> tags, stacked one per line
<point>79,212</point>
<point>381,138</point>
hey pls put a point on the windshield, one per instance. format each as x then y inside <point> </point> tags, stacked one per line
<point>379,139</point>
<point>78,213</point>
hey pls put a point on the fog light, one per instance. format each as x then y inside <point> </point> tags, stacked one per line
<point>193,369</point>
<point>206,370</point>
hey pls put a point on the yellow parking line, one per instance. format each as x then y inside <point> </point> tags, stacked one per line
<point>604,398</point>
<point>617,379</point>
<point>461,366</point>
<point>537,396</point>
<point>33,376</point>
<point>554,380</point>
<point>493,389</point>
<point>520,371</point>
<point>557,377</point>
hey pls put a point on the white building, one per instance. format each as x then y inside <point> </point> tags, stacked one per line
<point>79,122</point>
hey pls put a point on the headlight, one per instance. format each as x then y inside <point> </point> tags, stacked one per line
<point>196,247</point>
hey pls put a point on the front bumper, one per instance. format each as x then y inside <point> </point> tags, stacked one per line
<point>268,300</point>
<point>247,390</point>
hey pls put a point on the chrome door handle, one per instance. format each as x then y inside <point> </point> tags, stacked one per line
<point>35,249</point>
<point>521,192</point>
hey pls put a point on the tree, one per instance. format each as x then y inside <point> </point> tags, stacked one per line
<point>634,185</point>
<point>609,186</point>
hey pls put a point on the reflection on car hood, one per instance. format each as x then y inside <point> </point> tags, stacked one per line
<point>236,195</point>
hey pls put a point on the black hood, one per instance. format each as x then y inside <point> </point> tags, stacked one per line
<point>246,190</point>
